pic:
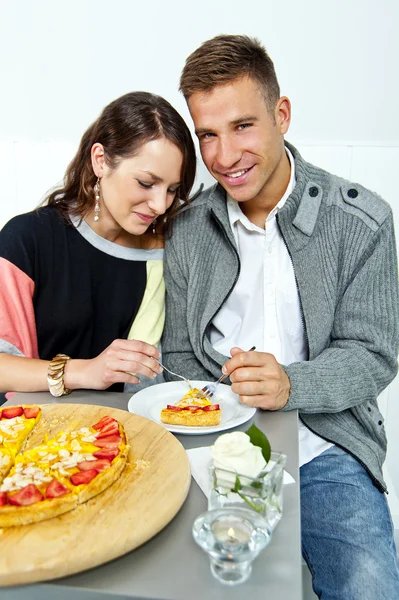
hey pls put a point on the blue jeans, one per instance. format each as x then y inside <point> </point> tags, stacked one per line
<point>347,531</point>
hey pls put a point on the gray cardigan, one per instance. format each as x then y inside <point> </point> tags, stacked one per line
<point>340,237</point>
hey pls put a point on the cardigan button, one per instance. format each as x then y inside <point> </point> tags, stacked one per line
<point>352,193</point>
<point>313,191</point>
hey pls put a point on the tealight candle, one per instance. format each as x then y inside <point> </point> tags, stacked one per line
<point>231,530</point>
<point>232,537</point>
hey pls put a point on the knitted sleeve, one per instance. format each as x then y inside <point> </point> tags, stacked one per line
<point>177,351</point>
<point>361,359</point>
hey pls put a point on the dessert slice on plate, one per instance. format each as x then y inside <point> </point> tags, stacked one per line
<point>192,412</point>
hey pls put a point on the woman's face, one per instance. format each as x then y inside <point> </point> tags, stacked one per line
<point>139,189</point>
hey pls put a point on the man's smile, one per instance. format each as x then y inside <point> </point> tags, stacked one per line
<point>235,177</point>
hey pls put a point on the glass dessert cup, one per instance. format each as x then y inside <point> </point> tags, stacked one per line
<point>262,494</point>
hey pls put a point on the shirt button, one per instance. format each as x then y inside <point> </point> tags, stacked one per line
<point>270,249</point>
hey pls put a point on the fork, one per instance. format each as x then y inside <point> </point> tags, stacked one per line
<point>209,390</point>
<point>175,374</point>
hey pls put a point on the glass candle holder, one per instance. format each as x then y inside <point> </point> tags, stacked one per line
<point>262,494</point>
<point>233,538</point>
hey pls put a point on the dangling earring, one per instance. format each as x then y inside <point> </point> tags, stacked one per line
<point>153,226</point>
<point>97,198</point>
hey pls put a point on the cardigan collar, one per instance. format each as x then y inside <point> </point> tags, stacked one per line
<point>302,206</point>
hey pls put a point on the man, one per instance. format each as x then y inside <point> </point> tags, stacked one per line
<point>301,264</point>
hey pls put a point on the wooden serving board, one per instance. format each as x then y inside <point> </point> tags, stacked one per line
<point>131,511</point>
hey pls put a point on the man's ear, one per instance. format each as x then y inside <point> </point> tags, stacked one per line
<point>98,159</point>
<point>283,114</point>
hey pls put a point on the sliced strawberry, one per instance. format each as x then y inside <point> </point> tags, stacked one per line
<point>3,498</point>
<point>108,453</point>
<point>109,440</point>
<point>98,465</point>
<point>108,430</point>
<point>111,425</point>
<point>211,407</point>
<point>31,412</point>
<point>193,409</point>
<point>83,476</point>
<point>28,495</point>
<point>108,445</point>
<point>55,489</point>
<point>103,422</point>
<point>12,411</point>
<point>0,413</point>
<point>175,408</point>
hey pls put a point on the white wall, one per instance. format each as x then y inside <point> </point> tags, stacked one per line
<point>62,61</point>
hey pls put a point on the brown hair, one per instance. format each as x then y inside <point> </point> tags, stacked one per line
<point>122,128</point>
<point>225,58</point>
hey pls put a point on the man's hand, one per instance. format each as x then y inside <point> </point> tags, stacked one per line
<point>258,379</point>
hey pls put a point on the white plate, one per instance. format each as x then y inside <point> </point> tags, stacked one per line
<point>150,401</point>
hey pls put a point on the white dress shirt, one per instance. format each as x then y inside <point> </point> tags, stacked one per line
<point>263,310</point>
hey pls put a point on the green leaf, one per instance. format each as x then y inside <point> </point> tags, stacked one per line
<point>237,485</point>
<point>258,438</point>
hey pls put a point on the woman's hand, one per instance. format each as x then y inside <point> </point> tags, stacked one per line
<point>119,363</point>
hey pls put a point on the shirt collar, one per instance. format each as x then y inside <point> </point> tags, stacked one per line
<point>235,213</point>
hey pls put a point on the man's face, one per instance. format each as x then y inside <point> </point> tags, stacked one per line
<point>241,142</point>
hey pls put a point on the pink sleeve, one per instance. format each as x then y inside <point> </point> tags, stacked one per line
<point>17,316</point>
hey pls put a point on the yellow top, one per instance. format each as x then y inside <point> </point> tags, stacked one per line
<point>149,322</point>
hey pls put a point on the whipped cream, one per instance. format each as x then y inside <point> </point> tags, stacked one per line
<point>235,452</point>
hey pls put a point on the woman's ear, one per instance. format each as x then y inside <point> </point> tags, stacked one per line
<point>98,159</point>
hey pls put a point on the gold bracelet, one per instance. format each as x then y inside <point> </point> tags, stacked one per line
<point>55,376</point>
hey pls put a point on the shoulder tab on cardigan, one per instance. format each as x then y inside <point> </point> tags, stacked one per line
<point>308,209</point>
<point>366,201</point>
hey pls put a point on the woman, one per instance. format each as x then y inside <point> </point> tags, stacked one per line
<point>84,273</point>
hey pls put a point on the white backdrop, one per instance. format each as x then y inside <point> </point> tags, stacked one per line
<point>62,61</point>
